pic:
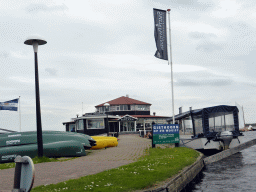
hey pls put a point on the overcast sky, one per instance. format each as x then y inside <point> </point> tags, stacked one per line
<point>97,51</point>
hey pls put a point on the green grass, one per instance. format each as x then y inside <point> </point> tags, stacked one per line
<point>155,166</point>
<point>35,161</point>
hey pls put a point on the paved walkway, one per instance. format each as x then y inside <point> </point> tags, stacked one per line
<point>129,148</point>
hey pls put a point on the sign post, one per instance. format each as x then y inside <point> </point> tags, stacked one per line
<point>165,133</point>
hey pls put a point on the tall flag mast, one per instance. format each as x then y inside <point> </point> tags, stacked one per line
<point>161,43</point>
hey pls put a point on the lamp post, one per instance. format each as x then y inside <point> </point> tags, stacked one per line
<point>35,41</point>
<point>106,105</point>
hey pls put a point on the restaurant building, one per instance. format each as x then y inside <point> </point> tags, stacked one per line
<point>122,114</point>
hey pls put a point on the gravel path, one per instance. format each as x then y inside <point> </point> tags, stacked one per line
<point>129,148</point>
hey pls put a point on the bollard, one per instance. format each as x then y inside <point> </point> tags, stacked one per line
<point>24,174</point>
<point>153,145</point>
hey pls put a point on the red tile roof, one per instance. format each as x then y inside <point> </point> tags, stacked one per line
<point>124,101</point>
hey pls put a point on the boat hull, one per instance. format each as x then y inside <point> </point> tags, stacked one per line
<point>205,144</point>
<point>55,144</point>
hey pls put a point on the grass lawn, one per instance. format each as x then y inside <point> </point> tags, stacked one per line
<point>156,165</point>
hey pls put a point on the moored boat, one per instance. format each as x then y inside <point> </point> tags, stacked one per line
<point>208,128</point>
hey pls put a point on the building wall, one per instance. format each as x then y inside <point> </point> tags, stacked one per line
<point>121,113</point>
<point>118,109</point>
<point>84,129</point>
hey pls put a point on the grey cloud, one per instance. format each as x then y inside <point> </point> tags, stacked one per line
<point>4,54</point>
<point>198,35</point>
<point>209,82</point>
<point>35,8</point>
<point>51,71</point>
<point>241,28</point>
<point>189,4</point>
<point>208,47</point>
<point>194,3</point>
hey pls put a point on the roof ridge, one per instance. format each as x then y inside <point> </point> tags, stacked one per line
<point>124,101</point>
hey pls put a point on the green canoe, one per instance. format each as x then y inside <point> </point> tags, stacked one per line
<point>55,144</point>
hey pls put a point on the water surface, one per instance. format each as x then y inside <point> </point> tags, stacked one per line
<point>234,173</point>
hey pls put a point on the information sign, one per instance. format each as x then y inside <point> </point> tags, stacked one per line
<point>166,133</point>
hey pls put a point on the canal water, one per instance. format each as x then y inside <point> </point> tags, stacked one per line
<point>235,173</point>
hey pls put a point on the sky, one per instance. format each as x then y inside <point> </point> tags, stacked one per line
<point>99,50</point>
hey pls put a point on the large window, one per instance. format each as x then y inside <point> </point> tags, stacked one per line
<point>95,124</point>
<point>221,122</point>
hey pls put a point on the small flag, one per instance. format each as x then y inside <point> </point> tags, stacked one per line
<point>160,34</point>
<point>11,105</point>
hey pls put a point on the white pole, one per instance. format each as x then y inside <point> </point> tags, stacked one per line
<point>19,114</point>
<point>170,63</point>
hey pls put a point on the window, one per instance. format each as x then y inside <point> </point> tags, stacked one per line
<point>229,119</point>
<point>113,108</point>
<point>95,124</point>
<point>101,109</point>
<point>221,122</point>
<point>124,107</point>
<point>71,127</point>
<point>80,124</point>
<point>187,125</point>
<point>143,107</point>
<point>198,124</point>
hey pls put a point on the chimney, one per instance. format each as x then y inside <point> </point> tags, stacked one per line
<point>190,108</point>
<point>154,113</point>
<point>180,110</point>
<point>127,95</point>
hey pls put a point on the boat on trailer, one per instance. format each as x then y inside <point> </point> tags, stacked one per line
<point>211,128</point>
<point>55,144</point>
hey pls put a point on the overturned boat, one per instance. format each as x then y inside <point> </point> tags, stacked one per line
<point>55,144</point>
<point>211,128</point>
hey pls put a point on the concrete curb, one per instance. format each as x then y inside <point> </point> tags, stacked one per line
<point>179,182</point>
<point>229,152</point>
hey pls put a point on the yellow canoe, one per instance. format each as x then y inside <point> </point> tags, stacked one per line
<point>100,144</point>
<point>103,142</point>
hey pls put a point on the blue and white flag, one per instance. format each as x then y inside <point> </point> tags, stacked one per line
<point>160,34</point>
<point>11,105</point>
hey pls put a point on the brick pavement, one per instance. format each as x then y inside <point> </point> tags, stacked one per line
<point>129,148</point>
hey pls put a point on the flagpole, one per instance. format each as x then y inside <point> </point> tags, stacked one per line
<point>170,63</point>
<point>19,114</point>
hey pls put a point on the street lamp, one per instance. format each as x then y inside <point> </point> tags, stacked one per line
<point>35,41</point>
<point>106,105</point>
